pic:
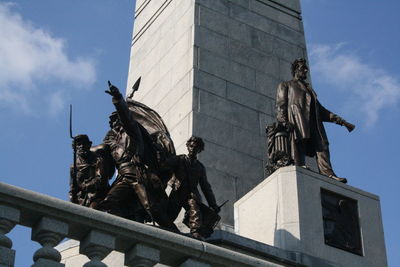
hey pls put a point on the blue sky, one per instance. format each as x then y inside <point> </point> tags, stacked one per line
<point>54,53</point>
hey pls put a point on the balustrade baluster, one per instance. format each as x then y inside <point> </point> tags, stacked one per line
<point>96,246</point>
<point>194,263</point>
<point>48,232</point>
<point>9,217</point>
<point>142,255</point>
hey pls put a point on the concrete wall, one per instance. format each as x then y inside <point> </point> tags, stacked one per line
<point>210,68</point>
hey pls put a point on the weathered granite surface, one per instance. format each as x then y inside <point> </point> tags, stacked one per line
<point>285,211</point>
<point>211,68</point>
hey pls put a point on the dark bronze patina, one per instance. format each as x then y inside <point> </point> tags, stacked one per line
<point>90,172</point>
<point>139,146</point>
<point>138,187</point>
<point>189,173</point>
<point>278,147</point>
<point>341,224</point>
<point>300,114</point>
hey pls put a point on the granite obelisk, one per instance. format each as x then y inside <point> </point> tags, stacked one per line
<point>210,68</point>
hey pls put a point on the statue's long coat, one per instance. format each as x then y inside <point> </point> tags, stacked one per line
<point>297,103</point>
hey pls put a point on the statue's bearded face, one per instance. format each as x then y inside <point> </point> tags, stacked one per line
<point>83,148</point>
<point>114,122</point>
<point>301,72</point>
<point>193,148</point>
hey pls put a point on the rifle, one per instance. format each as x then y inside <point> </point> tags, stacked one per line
<point>74,173</point>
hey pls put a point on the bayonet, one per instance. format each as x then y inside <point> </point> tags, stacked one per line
<point>74,173</point>
<point>135,88</point>
<point>70,121</point>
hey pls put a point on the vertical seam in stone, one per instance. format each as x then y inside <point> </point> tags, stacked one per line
<point>198,13</point>
<point>203,249</point>
<point>198,57</point>
<point>298,187</point>
<point>190,127</point>
<point>277,211</point>
<point>236,184</point>
<point>198,100</point>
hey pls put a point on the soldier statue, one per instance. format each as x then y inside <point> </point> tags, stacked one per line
<point>90,173</point>
<point>189,172</point>
<point>299,111</point>
<point>135,187</point>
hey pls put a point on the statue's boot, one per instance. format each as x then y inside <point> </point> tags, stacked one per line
<point>197,236</point>
<point>143,198</point>
<point>148,211</point>
<point>339,179</point>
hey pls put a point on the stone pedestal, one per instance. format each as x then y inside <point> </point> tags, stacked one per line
<point>211,68</point>
<point>299,210</point>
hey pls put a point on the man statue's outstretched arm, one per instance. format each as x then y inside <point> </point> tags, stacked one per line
<point>329,116</point>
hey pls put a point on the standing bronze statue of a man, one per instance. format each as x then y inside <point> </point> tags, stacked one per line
<point>299,111</point>
<point>90,173</point>
<point>189,173</point>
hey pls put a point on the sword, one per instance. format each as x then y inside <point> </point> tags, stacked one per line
<point>226,201</point>
<point>217,217</point>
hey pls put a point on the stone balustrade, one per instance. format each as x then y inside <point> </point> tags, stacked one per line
<point>99,233</point>
<point>141,245</point>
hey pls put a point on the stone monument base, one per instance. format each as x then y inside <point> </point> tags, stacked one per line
<point>299,210</point>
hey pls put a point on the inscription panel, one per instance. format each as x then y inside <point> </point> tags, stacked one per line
<point>341,222</point>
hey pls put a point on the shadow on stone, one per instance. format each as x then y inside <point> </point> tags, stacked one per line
<point>285,240</point>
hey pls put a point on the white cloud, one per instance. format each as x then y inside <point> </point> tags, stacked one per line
<point>31,59</point>
<point>370,89</point>
<point>56,102</point>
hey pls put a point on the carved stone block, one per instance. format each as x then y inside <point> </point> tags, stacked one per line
<point>194,263</point>
<point>309,213</point>
<point>142,255</point>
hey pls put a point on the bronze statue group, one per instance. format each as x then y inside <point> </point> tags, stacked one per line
<point>138,146</point>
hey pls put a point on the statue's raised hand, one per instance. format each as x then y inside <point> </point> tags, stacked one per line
<point>113,90</point>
